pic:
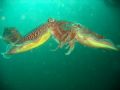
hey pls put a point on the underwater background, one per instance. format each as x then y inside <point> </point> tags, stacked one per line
<point>42,69</point>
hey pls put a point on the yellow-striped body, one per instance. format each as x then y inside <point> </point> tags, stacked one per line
<point>101,44</point>
<point>30,44</point>
<point>94,42</point>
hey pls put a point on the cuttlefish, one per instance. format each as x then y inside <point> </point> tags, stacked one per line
<point>19,43</point>
<point>64,32</point>
<point>86,37</point>
<point>70,33</point>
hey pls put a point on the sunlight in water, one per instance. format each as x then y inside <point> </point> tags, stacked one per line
<point>3,18</point>
<point>23,17</point>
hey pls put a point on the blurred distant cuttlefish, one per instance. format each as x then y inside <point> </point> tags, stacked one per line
<point>65,33</point>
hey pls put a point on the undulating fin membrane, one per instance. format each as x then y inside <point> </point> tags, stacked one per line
<point>11,35</point>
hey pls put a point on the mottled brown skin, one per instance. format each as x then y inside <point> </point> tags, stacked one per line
<point>86,31</point>
<point>39,31</point>
<point>64,36</point>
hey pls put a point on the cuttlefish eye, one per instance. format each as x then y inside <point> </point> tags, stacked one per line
<point>51,20</point>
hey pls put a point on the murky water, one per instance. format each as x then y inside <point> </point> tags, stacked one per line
<point>43,69</point>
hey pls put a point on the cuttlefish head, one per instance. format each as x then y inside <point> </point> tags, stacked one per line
<point>52,23</point>
<point>51,20</point>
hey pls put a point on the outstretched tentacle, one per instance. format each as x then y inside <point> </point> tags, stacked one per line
<point>4,54</point>
<point>71,45</point>
<point>67,47</point>
<point>55,49</point>
<point>60,45</point>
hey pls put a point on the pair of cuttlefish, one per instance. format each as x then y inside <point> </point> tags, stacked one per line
<point>66,33</point>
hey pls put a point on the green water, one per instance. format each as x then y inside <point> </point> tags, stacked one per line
<point>42,69</point>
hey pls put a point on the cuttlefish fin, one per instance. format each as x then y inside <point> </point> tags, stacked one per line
<point>11,35</point>
<point>98,35</point>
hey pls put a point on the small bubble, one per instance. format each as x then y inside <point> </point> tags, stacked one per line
<point>23,17</point>
<point>3,18</point>
<point>62,5</point>
<point>44,63</point>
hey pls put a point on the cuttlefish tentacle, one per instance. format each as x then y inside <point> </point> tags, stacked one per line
<point>71,47</point>
<point>60,45</point>
<point>71,41</point>
<point>60,34</point>
<point>65,35</point>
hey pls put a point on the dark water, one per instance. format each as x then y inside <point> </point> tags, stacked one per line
<point>41,69</point>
